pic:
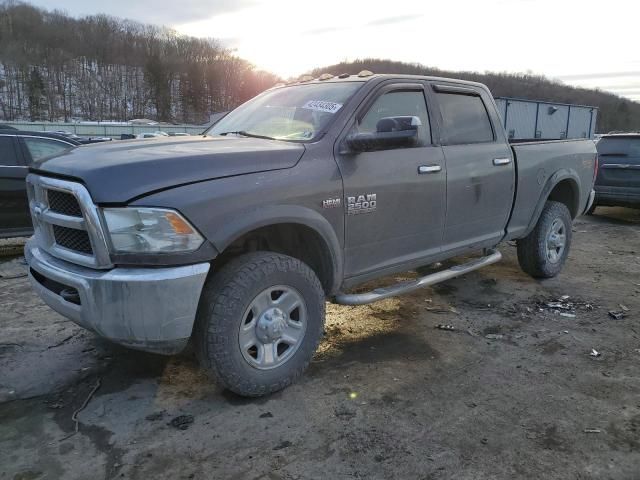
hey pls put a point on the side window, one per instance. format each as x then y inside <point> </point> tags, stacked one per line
<point>43,147</point>
<point>398,104</point>
<point>7,152</point>
<point>465,119</point>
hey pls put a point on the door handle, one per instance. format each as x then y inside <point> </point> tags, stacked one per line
<point>429,169</point>
<point>501,161</point>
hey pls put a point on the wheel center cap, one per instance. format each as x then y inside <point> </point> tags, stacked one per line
<point>271,325</point>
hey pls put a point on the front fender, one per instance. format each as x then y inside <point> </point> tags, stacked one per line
<point>244,222</point>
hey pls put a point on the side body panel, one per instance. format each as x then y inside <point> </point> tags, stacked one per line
<point>541,166</point>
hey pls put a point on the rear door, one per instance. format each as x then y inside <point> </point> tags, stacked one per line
<point>619,171</point>
<point>395,196</point>
<point>480,170</point>
<point>14,206</point>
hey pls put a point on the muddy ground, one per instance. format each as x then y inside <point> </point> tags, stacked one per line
<point>513,392</point>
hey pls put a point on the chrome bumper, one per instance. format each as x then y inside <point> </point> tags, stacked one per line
<point>150,309</point>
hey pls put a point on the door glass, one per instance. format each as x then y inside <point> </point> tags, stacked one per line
<point>398,104</point>
<point>7,152</point>
<point>41,147</point>
<point>465,119</point>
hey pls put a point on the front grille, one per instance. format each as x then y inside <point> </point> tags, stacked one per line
<point>67,222</point>
<point>72,239</point>
<point>64,203</point>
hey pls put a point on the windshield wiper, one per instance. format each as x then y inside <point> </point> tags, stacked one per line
<point>247,134</point>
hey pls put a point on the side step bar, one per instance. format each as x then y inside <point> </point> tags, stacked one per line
<point>492,256</point>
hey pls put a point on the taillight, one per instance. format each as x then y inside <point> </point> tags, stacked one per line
<point>595,167</point>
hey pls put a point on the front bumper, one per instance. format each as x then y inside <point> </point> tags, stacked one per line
<point>150,309</point>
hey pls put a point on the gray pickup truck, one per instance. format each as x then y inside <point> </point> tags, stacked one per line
<point>234,239</point>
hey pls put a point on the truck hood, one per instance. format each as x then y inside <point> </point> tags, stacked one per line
<point>115,172</point>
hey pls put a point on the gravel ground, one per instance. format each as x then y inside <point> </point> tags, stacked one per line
<point>512,392</point>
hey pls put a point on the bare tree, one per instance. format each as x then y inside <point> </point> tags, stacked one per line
<point>54,67</point>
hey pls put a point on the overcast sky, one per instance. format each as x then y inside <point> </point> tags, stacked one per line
<point>589,43</point>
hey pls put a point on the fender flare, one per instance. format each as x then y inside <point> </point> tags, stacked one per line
<point>244,222</point>
<point>550,184</point>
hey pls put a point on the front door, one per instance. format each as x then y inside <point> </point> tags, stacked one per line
<point>480,170</point>
<point>394,197</point>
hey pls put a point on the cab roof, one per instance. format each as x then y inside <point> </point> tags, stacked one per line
<point>368,77</point>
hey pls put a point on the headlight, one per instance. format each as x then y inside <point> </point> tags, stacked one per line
<point>150,230</point>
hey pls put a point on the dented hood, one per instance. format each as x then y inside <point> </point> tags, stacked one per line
<point>118,171</point>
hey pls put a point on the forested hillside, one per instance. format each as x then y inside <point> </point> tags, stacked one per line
<point>615,113</point>
<point>54,67</point>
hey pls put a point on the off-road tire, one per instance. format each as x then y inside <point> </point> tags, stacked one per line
<point>225,298</point>
<point>532,249</point>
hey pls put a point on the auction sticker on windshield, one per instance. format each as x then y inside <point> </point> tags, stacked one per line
<point>322,106</point>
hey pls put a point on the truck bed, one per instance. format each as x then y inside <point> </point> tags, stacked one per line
<point>539,165</point>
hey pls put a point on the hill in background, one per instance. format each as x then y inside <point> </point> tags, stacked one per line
<point>55,67</point>
<point>615,113</point>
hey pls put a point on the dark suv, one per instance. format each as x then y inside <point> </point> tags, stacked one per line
<point>17,151</point>
<point>618,180</point>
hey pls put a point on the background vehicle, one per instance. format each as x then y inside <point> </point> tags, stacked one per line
<point>83,140</point>
<point>17,151</point>
<point>152,135</point>
<point>237,237</point>
<point>618,180</point>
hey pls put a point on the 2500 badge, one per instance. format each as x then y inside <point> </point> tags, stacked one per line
<point>361,204</point>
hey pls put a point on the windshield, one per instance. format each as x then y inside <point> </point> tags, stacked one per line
<point>296,113</point>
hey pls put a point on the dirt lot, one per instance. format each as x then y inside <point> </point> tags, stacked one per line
<point>511,393</point>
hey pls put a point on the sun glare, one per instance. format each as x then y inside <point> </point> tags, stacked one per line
<point>288,40</point>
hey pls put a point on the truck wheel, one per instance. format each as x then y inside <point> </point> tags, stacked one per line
<point>543,252</point>
<point>259,322</point>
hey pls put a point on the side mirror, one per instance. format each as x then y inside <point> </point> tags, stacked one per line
<point>391,132</point>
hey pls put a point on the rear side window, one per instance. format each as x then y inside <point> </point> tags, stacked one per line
<point>7,152</point>
<point>465,119</point>
<point>43,147</point>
